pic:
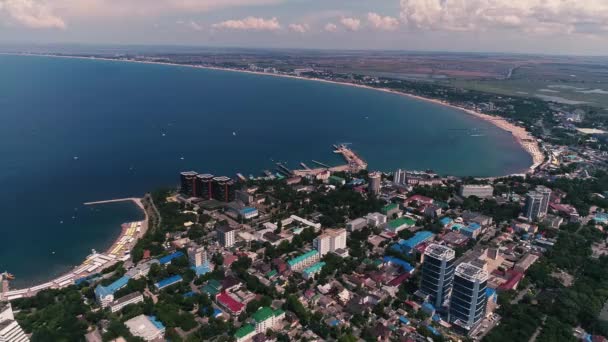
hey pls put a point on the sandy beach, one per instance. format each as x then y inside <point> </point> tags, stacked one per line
<point>520,134</point>
<point>118,251</point>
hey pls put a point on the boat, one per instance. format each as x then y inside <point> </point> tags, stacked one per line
<point>8,276</point>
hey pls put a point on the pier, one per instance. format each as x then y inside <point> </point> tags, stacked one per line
<point>355,164</point>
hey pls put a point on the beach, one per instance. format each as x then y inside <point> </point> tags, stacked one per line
<point>520,134</point>
<point>119,251</point>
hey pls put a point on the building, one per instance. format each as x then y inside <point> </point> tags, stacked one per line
<point>248,213</point>
<point>400,224</point>
<point>146,327</point>
<point>223,189</point>
<point>481,191</point>
<point>204,186</point>
<point>406,246</point>
<point>188,183</point>
<point>391,209</point>
<point>132,298</point>
<point>331,240</point>
<point>266,318</point>
<point>311,271</point>
<point>356,224</point>
<point>437,273</point>
<point>302,261</point>
<point>197,256</point>
<point>376,219</point>
<point>233,306</point>
<point>375,181</point>
<point>10,330</point>
<point>468,300</point>
<point>168,259</point>
<point>537,203</point>
<point>225,236</point>
<point>105,294</point>
<point>142,269</point>
<point>400,177</point>
<point>245,333</point>
<point>168,282</point>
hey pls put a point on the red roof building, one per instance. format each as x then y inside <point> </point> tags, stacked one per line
<point>227,302</point>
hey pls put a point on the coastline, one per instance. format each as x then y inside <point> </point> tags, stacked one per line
<point>520,134</point>
<point>130,233</point>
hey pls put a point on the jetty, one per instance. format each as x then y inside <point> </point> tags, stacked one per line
<point>354,163</point>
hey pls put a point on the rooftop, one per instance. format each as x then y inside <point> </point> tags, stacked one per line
<point>401,221</point>
<point>168,281</point>
<point>263,314</point>
<point>102,291</point>
<point>244,331</point>
<point>302,257</point>
<point>440,252</point>
<point>314,268</point>
<point>168,258</point>
<point>471,272</point>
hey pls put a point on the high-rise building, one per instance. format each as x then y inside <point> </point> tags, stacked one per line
<point>437,273</point>
<point>225,236</point>
<point>400,177</point>
<point>223,189</point>
<point>188,183</point>
<point>197,256</point>
<point>10,331</point>
<point>537,203</point>
<point>204,186</point>
<point>375,180</point>
<point>481,191</point>
<point>332,240</point>
<point>468,300</point>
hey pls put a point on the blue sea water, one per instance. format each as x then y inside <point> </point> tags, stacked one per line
<point>132,127</point>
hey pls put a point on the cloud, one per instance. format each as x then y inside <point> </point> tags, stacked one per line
<point>300,28</point>
<point>331,27</point>
<point>351,24</point>
<point>31,14</point>
<point>382,23</point>
<point>250,24</point>
<point>193,25</point>
<point>533,16</point>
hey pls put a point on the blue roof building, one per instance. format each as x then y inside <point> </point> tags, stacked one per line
<point>156,323</point>
<point>433,330</point>
<point>168,282</point>
<point>169,258</point>
<point>472,230</point>
<point>404,320</point>
<point>406,265</point>
<point>428,308</point>
<point>202,269</point>
<point>406,246</point>
<point>446,221</point>
<point>102,292</point>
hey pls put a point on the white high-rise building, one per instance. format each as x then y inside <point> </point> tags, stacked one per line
<point>225,236</point>
<point>375,181</point>
<point>537,203</point>
<point>197,256</point>
<point>332,240</point>
<point>10,331</point>
<point>400,177</point>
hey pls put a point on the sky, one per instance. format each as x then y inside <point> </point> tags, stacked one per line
<point>578,27</point>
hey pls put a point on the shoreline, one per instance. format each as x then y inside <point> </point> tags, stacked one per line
<point>520,134</point>
<point>130,233</point>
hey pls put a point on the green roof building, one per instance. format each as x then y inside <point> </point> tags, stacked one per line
<point>400,224</point>
<point>303,260</point>
<point>335,180</point>
<point>266,318</point>
<point>390,209</point>
<point>244,333</point>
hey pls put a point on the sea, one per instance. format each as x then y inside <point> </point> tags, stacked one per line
<point>80,130</point>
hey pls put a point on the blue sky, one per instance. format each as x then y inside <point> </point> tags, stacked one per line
<point>537,26</point>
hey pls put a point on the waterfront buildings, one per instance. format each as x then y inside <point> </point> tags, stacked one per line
<point>537,203</point>
<point>481,191</point>
<point>332,240</point>
<point>132,298</point>
<point>204,186</point>
<point>225,236</point>
<point>468,300</point>
<point>223,189</point>
<point>188,183</point>
<point>146,327</point>
<point>10,331</point>
<point>105,294</point>
<point>437,273</point>
<point>375,181</point>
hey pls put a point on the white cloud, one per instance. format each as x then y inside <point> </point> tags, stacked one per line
<point>31,14</point>
<point>331,27</point>
<point>382,23</point>
<point>250,23</point>
<point>300,28</point>
<point>534,16</point>
<point>193,25</point>
<point>351,24</point>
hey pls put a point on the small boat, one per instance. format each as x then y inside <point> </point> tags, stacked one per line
<point>75,157</point>
<point>234,133</point>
